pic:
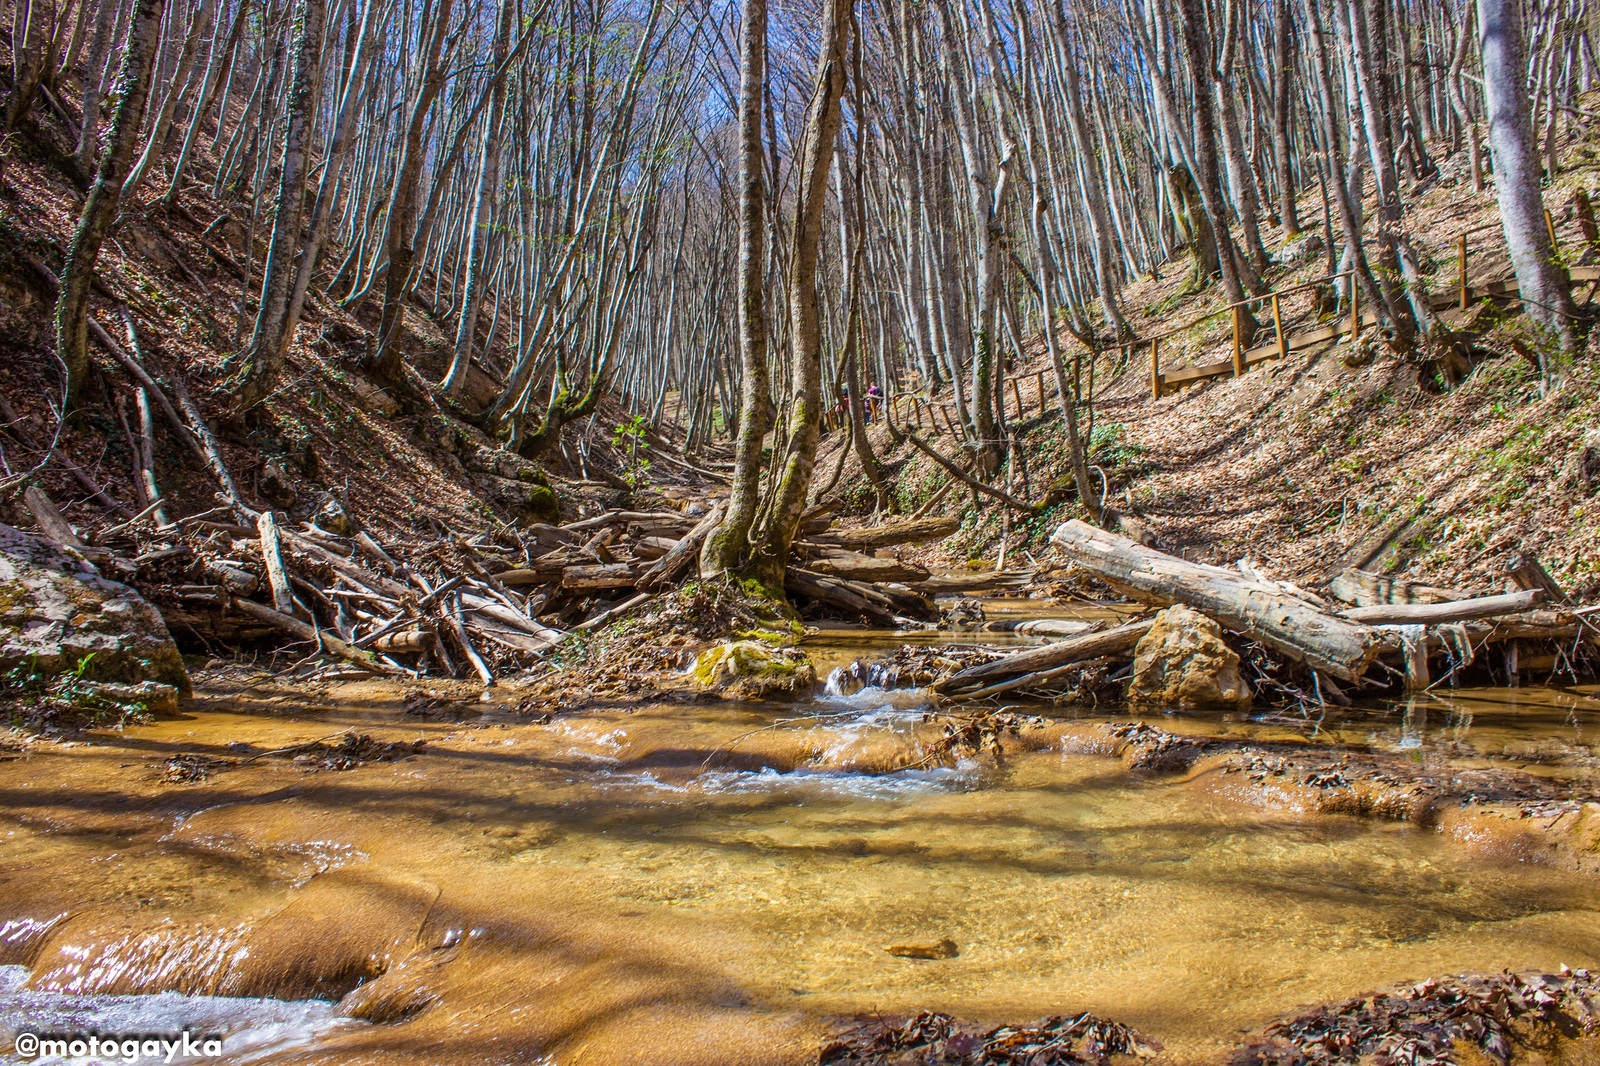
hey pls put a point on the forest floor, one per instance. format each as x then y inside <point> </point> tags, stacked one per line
<point>1302,460</point>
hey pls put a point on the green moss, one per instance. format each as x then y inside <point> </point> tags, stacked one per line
<point>543,505</point>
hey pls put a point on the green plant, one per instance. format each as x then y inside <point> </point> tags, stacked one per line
<point>630,437</point>
<point>36,699</point>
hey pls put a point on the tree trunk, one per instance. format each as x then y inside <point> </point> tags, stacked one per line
<point>1292,626</point>
<point>1208,177</point>
<point>771,542</point>
<point>133,91</point>
<point>480,239</point>
<point>1540,279</point>
<point>105,18</point>
<point>400,233</point>
<point>1282,131</point>
<point>270,341</point>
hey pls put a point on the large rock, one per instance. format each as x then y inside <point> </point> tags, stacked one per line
<point>1182,662</point>
<point>57,611</point>
<point>750,669</point>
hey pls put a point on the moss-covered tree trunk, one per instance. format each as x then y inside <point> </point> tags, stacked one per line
<point>770,543</point>
<point>133,92</point>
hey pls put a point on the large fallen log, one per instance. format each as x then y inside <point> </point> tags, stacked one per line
<point>838,593</point>
<point>858,567</point>
<point>943,584</point>
<point>1398,614</point>
<point>1048,658</point>
<point>1336,646</point>
<point>888,535</point>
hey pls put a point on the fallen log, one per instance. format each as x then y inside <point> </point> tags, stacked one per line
<point>683,555</point>
<point>1334,645</point>
<point>912,531</point>
<point>612,612</point>
<point>947,584</point>
<point>857,567</point>
<point>1067,652</point>
<point>1398,614</point>
<point>1036,680</point>
<point>599,576</point>
<point>1362,589</point>
<point>652,548</point>
<point>1528,573</point>
<point>272,559</point>
<point>542,573</point>
<point>409,640</point>
<point>837,593</point>
<point>325,640</point>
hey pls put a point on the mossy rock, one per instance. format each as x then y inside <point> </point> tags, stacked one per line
<point>543,506</point>
<point>750,669</point>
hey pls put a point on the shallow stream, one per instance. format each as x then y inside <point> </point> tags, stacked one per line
<point>719,883</point>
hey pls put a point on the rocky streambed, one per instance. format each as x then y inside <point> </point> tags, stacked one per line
<point>461,879</point>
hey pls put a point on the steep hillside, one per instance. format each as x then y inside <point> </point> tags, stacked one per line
<point>397,459</point>
<point>1310,463</point>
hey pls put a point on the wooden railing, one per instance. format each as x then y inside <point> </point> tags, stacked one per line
<point>922,410</point>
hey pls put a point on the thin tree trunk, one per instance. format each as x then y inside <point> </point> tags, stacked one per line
<point>771,541</point>
<point>133,92</point>
<point>269,343</point>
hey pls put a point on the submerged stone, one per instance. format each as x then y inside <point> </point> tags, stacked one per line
<point>1183,662</point>
<point>938,949</point>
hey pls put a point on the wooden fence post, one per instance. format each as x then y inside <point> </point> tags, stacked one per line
<point>1155,367</point>
<point>1277,325</point>
<point>1016,391</point>
<point>1550,228</point>
<point>1461,270</point>
<point>1238,342</point>
<point>1038,384</point>
<point>1586,222</point>
<point>1355,308</point>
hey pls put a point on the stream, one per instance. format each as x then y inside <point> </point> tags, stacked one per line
<point>720,883</point>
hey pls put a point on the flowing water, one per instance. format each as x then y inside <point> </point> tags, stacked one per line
<point>717,883</point>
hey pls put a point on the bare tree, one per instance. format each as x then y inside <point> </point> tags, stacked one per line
<point>776,530</point>
<point>133,91</point>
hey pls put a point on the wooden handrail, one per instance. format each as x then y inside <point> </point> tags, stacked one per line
<point>1236,305</point>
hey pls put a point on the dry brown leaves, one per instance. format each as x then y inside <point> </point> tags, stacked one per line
<point>930,1039</point>
<point>1433,1022</point>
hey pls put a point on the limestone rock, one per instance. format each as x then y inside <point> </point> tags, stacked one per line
<point>938,949</point>
<point>56,612</point>
<point>152,697</point>
<point>1183,662</point>
<point>332,516</point>
<point>965,613</point>
<point>749,669</point>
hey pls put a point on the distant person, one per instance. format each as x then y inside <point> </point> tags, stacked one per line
<point>874,400</point>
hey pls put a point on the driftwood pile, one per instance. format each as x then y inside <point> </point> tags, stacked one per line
<point>456,605</point>
<point>1368,632</point>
